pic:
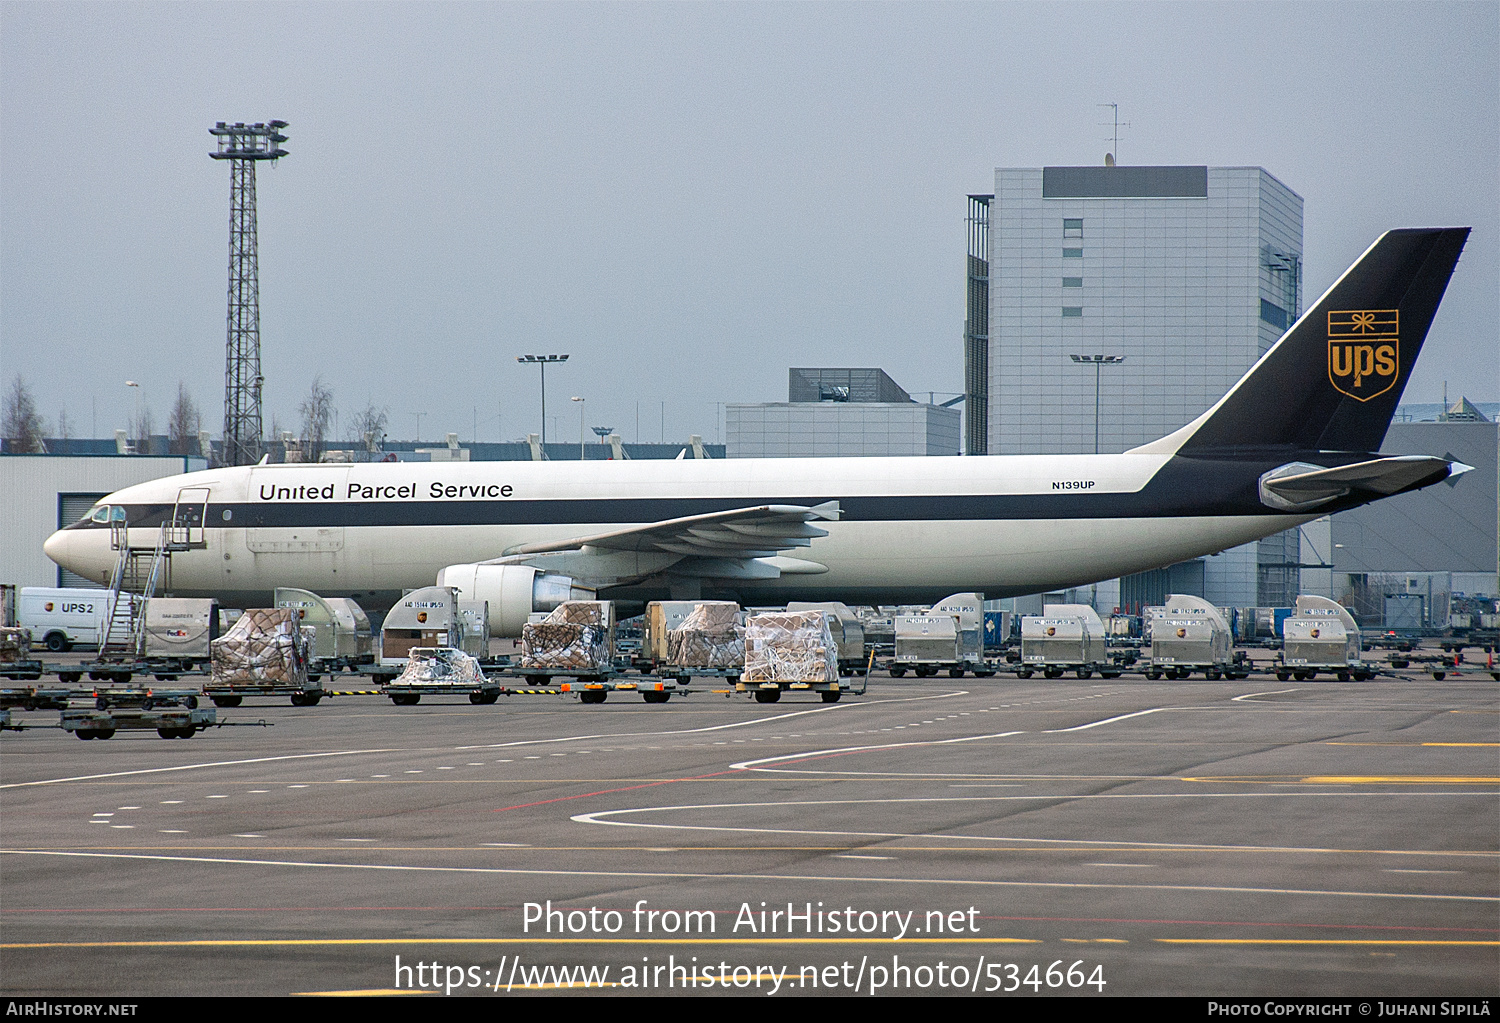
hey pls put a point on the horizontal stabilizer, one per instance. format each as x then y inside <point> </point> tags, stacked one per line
<point>1299,486</point>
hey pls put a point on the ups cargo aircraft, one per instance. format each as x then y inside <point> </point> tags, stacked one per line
<point>1294,439</point>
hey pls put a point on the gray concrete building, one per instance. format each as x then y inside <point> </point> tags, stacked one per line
<point>1141,292</point>
<point>44,492</point>
<point>1430,544</point>
<point>1450,527</point>
<point>840,413</point>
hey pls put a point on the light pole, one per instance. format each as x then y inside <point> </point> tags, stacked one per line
<point>581,403</point>
<point>138,417</point>
<point>541,361</point>
<point>1098,362</point>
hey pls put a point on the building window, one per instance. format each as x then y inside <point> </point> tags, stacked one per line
<point>1072,253</point>
<point>1072,310</point>
<point>1072,282</point>
<point>1274,315</point>
<point>1073,227</point>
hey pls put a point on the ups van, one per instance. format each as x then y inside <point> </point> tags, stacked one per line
<point>60,618</point>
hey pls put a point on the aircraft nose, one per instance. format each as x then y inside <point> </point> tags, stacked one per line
<point>56,548</point>
<point>78,551</point>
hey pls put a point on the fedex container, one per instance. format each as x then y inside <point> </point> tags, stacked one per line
<point>181,627</point>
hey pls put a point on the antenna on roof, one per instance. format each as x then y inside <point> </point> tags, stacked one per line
<point>1111,157</point>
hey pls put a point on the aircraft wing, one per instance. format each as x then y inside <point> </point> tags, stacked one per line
<point>1300,485</point>
<point>741,533</point>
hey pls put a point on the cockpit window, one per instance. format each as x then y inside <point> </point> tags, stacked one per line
<point>117,513</point>
<point>101,514</point>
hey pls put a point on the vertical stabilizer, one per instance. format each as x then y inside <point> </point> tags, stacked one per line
<point>1333,380</point>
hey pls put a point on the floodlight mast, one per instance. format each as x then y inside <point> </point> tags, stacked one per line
<point>244,145</point>
<point>1098,362</point>
<point>541,362</point>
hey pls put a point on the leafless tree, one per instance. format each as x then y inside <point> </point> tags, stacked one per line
<point>274,442</point>
<point>367,427</point>
<point>317,412</point>
<point>23,426</point>
<point>183,423</point>
<point>142,426</point>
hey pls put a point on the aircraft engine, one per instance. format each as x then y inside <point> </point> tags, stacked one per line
<point>514,592</point>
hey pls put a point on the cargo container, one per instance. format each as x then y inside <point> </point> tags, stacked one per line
<point>968,608</point>
<point>441,671</point>
<point>179,631</point>
<point>927,644</point>
<point>341,628</point>
<point>1185,635</point>
<point>427,617</point>
<point>790,650</point>
<point>710,641</point>
<point>474,617</point>
<point>575,639</point>
<point>997,631</point>
<point>880,635</point>
<point>16,660</point>
<point>1321,636</point>
<point>1064,637</point>
<point>662,616</point>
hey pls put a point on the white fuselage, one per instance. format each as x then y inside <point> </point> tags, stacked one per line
<point>372,530</point>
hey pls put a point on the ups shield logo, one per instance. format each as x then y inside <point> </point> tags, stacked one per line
<point>1364,351</point>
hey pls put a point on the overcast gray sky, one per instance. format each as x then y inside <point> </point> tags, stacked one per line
<point>688,198</point>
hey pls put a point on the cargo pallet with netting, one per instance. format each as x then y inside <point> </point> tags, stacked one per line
<point>792,650</point>
<point>265,653</point>
<point>16,662</point>
<point>441,671</point>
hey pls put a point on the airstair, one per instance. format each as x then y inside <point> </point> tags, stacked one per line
<point>143,569</point>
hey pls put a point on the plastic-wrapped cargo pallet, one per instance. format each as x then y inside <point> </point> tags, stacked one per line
<point>15,644</point>
<point>575,637</point>
<point>790,646</point>
<point>710,637</point>
<point>265,646</point>
<point>434,665</point>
